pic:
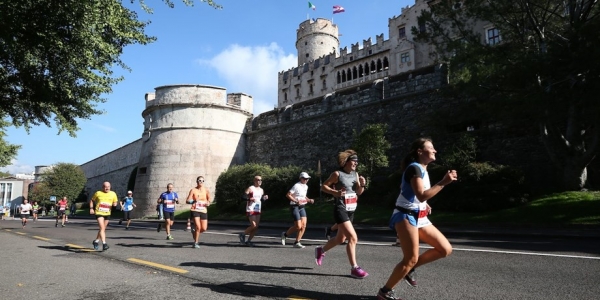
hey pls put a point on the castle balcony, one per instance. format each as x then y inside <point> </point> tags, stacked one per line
<point>362,80</point>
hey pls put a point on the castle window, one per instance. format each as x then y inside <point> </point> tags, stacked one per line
<point>339,78</point>
<point>142,170</point>
<point>284,97</point>
<point>370,51</point>
<point>366,69</point>
<point>305,43</point>
<point>297,92</point>
<point>323,69</point>
<point>354,73</point>
<point>311,89</point>
<point>351,58</point>
<point>306,54</point>
<point>343,76</point>
<point>422,26</point>
<point>402,32</point>
<point>349,74</point>
<point>361,72</point>
<point>493,36</point>
<point>379,66</point>
<point>324,84</point>
<point>285,82</point>
<point>372,67</point>
<point>386,63</point>
<point>404,57</point>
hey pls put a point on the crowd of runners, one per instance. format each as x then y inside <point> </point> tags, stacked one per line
<point>409,219</point>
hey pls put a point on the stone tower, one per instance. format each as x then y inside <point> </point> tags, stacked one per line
<point>189,131</point>
<point>316,38</point>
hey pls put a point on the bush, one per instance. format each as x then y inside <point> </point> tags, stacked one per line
<point>232,183</point>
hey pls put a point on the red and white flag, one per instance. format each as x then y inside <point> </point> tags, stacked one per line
<point>338,9</point>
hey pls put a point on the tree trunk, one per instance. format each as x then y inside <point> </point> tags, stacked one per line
<point>574,177</point>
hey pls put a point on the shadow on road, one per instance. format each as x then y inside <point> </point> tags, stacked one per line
<point>252,289</point>
<point>254,268</point>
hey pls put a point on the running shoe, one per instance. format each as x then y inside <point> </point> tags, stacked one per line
<point>63,225</point>
<point>120,221</point>
<point>249,244</point>
<point>105,247</point>
<point>242,238</point>
<point>328,233</point>
<point>196,245</point>
<point>169,237</point>
<point>95,244</point>
<point>358,272</point>
<point>56,225</point>
<point>298,245</point>
<point>126,228</point>
<point>158,227</point>
<point>283,237</point>
<point>411,278</point>
<point>193,230</point>
<point>319,255</point>
<point>387,296</point>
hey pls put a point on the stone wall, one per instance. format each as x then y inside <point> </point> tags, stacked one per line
<point>114,167</point>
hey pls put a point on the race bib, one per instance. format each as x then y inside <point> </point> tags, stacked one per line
<point>104,207</point>
<point>169,204</point>
<point>423,213</point>
<point>128,207</point>
<point>62,207</point>
<point>350,200</point>
<point>200,206</point>
<point>302,200</point>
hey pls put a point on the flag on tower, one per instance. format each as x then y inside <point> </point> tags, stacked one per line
<point>310,5</point>
<point>338,9</point>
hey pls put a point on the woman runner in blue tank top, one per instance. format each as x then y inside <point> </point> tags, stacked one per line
<point>410,217</point>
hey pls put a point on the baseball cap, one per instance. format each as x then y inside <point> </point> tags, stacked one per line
<point>129,192</point>
<point>304,175</point>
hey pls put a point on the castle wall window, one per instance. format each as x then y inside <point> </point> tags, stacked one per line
<point>349,72</point>
<point>310,89</point>
<point>404,57</point>
<point>386,63</point>
<point>339,78</point>
<point>361,72</point>
<point>285,97</point>
<point>402,32</point>
<point>297,92</point>
<point>307,55</point>
<point>324,84</point>
<point>367,69</point>
<point>373,67</point>
<point>422,27</point>
<point>354,73</point>
<point>343,76</point>
<point>379,65</point>
<point>493,36</point>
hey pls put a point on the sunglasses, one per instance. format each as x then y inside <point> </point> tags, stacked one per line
<point>200,180</point>
<point>258,179</point>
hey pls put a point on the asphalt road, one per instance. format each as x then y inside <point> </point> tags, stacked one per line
<point>44,262</point>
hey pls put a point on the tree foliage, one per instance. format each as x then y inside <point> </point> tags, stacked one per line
<point>65,179</point>
<point>544,66</point>
<point>7,151</point>
<point>372,146</point>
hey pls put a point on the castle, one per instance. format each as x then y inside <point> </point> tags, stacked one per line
<point>192,130</point>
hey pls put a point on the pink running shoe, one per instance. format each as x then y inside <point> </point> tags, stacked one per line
<point>358,272</point>
<point>319,254</point>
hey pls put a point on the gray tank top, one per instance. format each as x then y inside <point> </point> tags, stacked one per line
<point>347,181</point>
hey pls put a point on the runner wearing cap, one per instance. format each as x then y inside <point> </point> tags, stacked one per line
<point>298,199</point>
<point>127,205</point>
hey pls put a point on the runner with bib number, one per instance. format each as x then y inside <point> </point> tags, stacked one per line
<point>199,198</point>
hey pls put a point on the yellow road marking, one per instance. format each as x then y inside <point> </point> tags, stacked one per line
<point>7,229</point>
<point>79,247</point>
<point>40,238</point>
<point>294,297</point>
<point>22,233</point>
<point>156,265</point>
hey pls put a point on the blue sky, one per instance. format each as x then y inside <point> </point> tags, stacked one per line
<point>241,48</point>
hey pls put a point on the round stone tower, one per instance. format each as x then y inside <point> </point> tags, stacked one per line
<point>316,38</point>
<point>189,131</point>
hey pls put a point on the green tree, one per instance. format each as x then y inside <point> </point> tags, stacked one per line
<point>57,59</point>
<point>372,146</point>
<point>7,151</point>
<point>41,193</point>
<point>65,179</point>
<point>541,64</point>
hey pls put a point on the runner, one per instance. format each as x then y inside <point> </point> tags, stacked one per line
<point>298,199</point>
<point>127,205</point>
<point>254,196</point>
<point>100,205</point>
<point>410,220</point>
<point>25,210</point>
<point>347,186</point>
<point>61,211</point>
<point>199,198</point>
<point>168,200</point>
<point>35,208</point>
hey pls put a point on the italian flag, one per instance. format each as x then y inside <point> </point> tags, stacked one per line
<point>310,5</point>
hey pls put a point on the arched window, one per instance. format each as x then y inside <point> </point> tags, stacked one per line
<point>367,69</point>
<point>349,74</point>
<point>324,84</point>
<point>343,76</point>
<point>354,73</point>
<point>386,63</point>
<point>339,78</point>
<point>361,72</point>
<point>379,66</point>
<point>285,97</point>
<point>373,67</point>
<point>297,92</point>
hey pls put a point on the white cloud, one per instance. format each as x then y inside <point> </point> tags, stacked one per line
<point>17,168</point>
<point>104,127</point>
<point>253,70</point>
